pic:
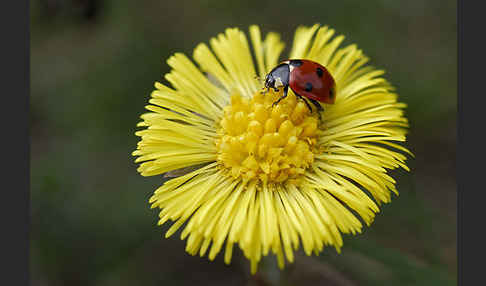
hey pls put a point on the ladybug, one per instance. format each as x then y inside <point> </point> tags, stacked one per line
<point>306,79</point>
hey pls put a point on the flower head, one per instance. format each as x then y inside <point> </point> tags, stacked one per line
<point>270,178</point>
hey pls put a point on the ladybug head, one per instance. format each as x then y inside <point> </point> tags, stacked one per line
<point>277,77</point>
<point>269,81</point>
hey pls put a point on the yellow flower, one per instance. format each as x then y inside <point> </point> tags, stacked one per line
<point>270,178</point>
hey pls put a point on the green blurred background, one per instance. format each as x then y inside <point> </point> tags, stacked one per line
<point>93,66</point>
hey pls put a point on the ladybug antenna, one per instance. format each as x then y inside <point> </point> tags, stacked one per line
<point>264,90</point>
<point>258,78</point>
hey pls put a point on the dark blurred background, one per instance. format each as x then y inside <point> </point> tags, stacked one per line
<point>93,66</point>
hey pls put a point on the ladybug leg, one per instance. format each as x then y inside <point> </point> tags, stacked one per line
<point>305,101</point>
<point>285,91</point>
<point>317,104</point>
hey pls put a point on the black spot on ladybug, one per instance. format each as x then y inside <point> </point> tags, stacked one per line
<point>296,63</point>
<point>319,72</point>
<point>331,93</point>
<point>308,86</point>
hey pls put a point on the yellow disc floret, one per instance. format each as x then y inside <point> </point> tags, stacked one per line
<point>265,142</point>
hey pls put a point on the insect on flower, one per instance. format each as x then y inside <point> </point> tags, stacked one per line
<point>256,170</point>
<point>306,78</point>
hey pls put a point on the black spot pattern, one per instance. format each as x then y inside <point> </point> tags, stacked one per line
<point>319,72</point>
<point>296,63</point>
<point>331,93</point>
<point>308,86</point>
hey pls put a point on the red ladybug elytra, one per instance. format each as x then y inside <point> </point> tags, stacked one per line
<point>306,79</point>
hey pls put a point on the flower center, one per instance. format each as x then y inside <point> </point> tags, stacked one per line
<point>265,142</point>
